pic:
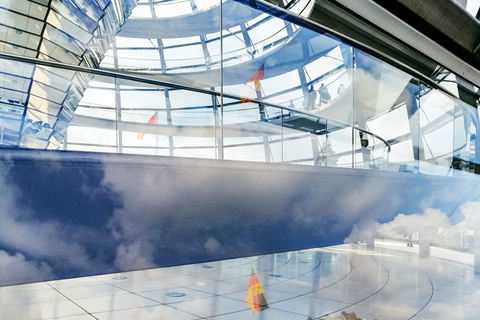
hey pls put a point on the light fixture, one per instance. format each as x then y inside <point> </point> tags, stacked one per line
<point>175,294</point>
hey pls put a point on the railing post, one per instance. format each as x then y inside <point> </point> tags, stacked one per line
<point>424,243</point>
<point>476,250</point>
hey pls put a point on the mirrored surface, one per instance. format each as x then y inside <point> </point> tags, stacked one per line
<point>239,83</point>
<point>144,134</point>
<point>347,281</point>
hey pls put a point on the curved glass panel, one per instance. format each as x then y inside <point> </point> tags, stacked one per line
<point>217,130</point>
<point>289,94</point>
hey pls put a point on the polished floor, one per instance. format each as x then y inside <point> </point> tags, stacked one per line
<point>384,283</point>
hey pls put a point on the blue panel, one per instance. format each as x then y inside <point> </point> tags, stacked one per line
<point>86,213</point>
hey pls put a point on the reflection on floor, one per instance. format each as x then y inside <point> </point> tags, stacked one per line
<point>341,282</point>
<point>436,252</point>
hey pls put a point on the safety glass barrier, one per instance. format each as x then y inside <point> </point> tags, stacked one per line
<point>449,130</point>
<point>284,94</point>
<point>137,118</point>
<point>275,134</point>
<point>70,110</point>
<point>458,238</point>
<point>370,152</point>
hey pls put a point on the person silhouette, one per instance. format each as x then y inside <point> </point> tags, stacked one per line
<point>324,95</point>
<point>311,97</point>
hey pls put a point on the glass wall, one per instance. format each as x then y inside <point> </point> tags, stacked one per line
<point>223,80</point>
<point>217,129</point>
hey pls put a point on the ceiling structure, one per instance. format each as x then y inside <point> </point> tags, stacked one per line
<point>37,104</point>
<point>423,37</point>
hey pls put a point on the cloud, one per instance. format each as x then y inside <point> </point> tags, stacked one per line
<point>200,210</point>
<point>470,213</point>
<point>165,211</point>
<point>452,311</point>
<point>212,245</point>
<point>472,299</point>
<point>443,195</point>
<point>183,207</point>
<point>363,231</point>
<point>50,241</point>
<point>134,256</point>
<point>44,247</point>
<point>428,221</point>
<point>17,269</point>
<point>430,218</point>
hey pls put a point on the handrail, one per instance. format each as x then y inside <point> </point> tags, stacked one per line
<point>138,77</point>
<point>192,88</point>
<point>376,136</point>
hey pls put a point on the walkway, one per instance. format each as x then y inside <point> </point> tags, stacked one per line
<point>319,283</point>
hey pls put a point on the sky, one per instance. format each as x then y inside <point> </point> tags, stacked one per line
<point>83,214</point>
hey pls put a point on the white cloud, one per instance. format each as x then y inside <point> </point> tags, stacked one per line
<point>17,269</point>
<point>192,206</point>
<point>472,299</point>
<point>363,231</point>
<point>134,256</point>
<point>451,311</point>
<point>443,195</point>
<point>471,215</point>
<point>212,245</point>
<point>430,218</point>
<point>46,240</point>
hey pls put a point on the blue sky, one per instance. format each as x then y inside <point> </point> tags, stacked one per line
<point>96,213</point>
